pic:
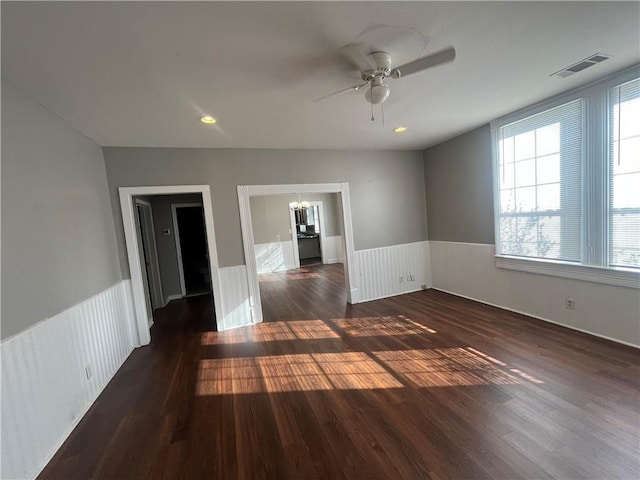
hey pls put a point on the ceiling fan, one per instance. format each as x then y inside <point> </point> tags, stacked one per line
<point>376,66</point>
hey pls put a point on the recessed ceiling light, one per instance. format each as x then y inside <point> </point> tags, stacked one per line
<point>208,119</point>
<point>400,129</point>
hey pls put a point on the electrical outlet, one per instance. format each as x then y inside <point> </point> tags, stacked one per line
<point>569,303</point>
<point>88,372</point>
<point>411,277</point>
<point>401,279</point>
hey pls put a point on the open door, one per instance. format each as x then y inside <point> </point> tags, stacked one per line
<point>191,248</point>
<point>148,257</point>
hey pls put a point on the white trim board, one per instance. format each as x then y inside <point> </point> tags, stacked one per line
<point>247,191</point>
<point>143,336</point>
<point>294,237</point>
<point>587,273</point>
<point>172,297</point>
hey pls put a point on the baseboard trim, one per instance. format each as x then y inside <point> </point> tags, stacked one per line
<point>390,295</point>
<point>171,298</point>
<point>622,342</point>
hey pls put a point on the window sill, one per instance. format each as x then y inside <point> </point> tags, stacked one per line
<point>612,276</point>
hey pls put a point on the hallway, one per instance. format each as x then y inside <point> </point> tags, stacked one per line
<point>426,385</point>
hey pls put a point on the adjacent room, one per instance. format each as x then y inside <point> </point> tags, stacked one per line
<point>299,240</point>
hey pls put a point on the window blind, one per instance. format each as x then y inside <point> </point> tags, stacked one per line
<point>624,175</point>
<point>540,185</point>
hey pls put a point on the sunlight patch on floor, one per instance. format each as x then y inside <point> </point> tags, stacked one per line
<point>381,326</point>
<point>274,277</point>
<point>271,332</point>
<point>442,367</point>
<point>292,373</point>
<point>448,367</point>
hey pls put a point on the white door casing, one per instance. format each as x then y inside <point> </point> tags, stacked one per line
<point>294,236</point>
<point>143,267</point>
<point>350,266</point>
<point>133,250</point>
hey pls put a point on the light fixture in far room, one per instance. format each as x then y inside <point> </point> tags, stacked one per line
<point>208,119</point>
<point>400,129</point>
<point>300,205</point>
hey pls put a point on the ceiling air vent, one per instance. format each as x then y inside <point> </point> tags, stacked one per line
<point>581,65</point>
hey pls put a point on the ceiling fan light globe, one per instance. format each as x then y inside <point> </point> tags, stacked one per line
<point>377,94</point>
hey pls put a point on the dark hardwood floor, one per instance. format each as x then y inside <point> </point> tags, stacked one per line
<point>426,385</point>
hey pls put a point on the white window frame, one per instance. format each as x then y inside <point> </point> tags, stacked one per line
<point>594,188</point>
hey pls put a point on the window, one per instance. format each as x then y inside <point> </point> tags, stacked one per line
<point>540,184</point>
<point>624,187</point>
<point>567,183</point>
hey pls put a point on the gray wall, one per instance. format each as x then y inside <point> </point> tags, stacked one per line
<point>167,255</point>
<point>459,188</point>
<point>58,240</point>
<point>387,187</point>
<point>271,219</point>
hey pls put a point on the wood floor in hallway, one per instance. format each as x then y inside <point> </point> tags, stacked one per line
<point>425,385</point>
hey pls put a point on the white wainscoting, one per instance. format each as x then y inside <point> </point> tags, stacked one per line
<point>381,269</point>
<point>279,256</point>
<point>45,390</point>
<point>274,256</point>
<point>469,270</point>
<point>334,249</point>
<point>235,298</point>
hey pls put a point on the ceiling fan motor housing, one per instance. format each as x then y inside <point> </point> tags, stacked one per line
<point>382,61</point>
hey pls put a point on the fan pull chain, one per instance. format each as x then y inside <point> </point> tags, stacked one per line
<point>382,106</point>
<point>372,119</point>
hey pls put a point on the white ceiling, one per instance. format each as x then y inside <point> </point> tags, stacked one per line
<point>141,74</point>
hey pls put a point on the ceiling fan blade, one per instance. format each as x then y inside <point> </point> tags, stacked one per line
<point>344,90</point>
<point>433,60</point>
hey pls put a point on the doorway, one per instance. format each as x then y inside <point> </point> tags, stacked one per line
<point>308,234</point>
<point>246,192</point>
<point>191,248</point>
<point>140,330</point>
